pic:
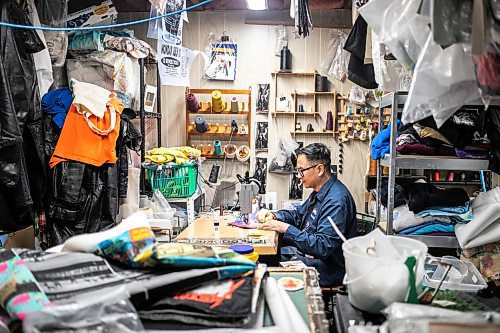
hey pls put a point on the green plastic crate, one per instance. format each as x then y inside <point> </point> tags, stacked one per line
<point>176,181</point>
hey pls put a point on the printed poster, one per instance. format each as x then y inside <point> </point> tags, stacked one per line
<point>174,62</point>
<point>172,25</point>
<point>222,62</point>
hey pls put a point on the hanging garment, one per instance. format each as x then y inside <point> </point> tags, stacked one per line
<point>493,129</point>
<point>57,102</point>
<point>82,199</point>
<point>358,72</point>
<point>95,146</point>
<point>43,64</point>
<point>22,172</point>
<point>129,138</point>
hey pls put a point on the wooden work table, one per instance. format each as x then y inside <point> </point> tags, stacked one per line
<point>202,231</point>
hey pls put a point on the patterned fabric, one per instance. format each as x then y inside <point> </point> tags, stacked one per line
<point>487,260</point>
<point>19,291</point>
<point>135,47</point>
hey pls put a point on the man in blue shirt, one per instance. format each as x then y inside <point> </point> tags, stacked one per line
<point>307,229</point>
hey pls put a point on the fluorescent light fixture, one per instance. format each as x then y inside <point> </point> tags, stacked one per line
<point>257,4</point>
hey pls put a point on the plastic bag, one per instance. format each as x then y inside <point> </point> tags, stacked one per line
<point>281,40</point>
<point>399,26</point>
<point>282,162</point>
<point>487,67</point>
<point>107,310</point>
<point>443,81</point>
<point>336,60</point>
<point>357,96</point>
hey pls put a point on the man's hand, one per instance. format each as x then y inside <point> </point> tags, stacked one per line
<point>264,215</point>
<point>274,225</point>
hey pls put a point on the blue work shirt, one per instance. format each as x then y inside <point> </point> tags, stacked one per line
<point>312,234</point>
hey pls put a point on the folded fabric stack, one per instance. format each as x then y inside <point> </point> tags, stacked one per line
<point>177,155</point>
<point>432,211</point>
<point>459,136</point>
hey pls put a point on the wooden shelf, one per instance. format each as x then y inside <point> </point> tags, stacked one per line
<point>309,93</point>
<point>315,132</point>
<point>243,117</point>
<point>293,74</point>
<point>211,157</point>
<point>235,135</point>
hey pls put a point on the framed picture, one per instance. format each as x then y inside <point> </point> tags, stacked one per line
<point>262,136</point>
<point>296,189</point>
<point>263,98</point>
<point>222,62</point>
<point>261,173</point>
<point>149,98</point>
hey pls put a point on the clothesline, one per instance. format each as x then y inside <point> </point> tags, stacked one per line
<point>109,26</point>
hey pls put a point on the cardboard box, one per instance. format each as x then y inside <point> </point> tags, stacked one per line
<point>22,239</point>
<point>100,12</point>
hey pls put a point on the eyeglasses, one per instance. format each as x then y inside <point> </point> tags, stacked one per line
<point>301,171</point>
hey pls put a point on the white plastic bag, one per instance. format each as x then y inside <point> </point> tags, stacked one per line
<point>282,162</point>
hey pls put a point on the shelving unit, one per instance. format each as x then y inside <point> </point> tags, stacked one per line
<point>143,115</point>
<point>242,117</point>
<point>394,162</point>
<point>310,95</point>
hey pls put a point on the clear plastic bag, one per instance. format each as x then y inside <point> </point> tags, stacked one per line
<point>443,81</point>
<point>357,96</point>
<point>281,40</point>
<point>107,310</point>
<point>336,60</point>
<point>282,162</point>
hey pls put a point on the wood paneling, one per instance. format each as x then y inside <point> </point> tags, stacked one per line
<point>256,62</point>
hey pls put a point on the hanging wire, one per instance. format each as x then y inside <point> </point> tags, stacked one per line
<point>110,26</point>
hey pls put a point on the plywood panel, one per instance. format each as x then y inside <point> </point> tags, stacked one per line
<point>256,62</point>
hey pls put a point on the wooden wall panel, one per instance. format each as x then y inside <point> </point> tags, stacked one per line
<point>256,62</point>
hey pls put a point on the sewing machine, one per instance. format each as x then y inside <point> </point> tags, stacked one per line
<point>249,189</point>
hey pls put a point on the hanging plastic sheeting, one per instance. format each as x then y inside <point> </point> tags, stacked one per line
<point>398,26</point>
<point>443,79</point>
<point>389,74</point>
<point>335,63</point>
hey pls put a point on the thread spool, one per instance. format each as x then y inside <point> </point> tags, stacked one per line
<point>301,108</point>
<point>372,171</point>
<point>243,153</point>
<point>321,83</point>
<point>200,122</point>
<point>217,148</point>
<point>329,121</point>
<point>234,105</point>
<point>217,105</point>
<point>285,60</point>
<point>192,103</point>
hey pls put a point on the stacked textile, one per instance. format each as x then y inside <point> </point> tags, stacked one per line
<point>432,211</point>
<point>459,136</point>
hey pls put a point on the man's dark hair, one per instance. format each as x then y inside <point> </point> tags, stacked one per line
<point>316,153</point>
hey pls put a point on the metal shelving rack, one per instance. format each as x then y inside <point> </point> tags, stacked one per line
<point>393,162</point>
<point>143,114</point>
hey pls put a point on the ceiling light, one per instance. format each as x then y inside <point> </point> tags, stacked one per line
<point>257,4</point>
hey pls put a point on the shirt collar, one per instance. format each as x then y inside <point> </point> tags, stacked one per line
<point>325,188</point>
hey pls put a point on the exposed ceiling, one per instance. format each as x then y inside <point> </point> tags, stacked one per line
<point>144,5</point>
<point>325,13</point>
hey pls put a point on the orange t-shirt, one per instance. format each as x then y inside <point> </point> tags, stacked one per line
<point>78,142</point>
